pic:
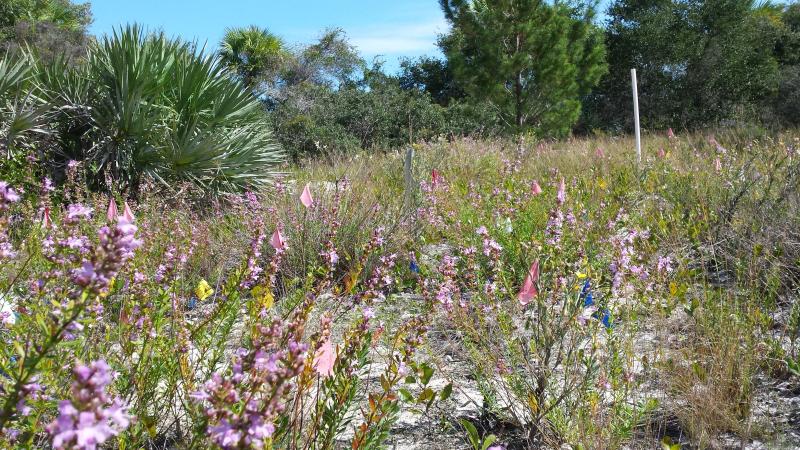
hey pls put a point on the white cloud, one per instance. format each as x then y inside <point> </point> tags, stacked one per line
<point>398,38</point>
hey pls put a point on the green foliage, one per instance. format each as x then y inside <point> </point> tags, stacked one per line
<point>63,13</point>
<point>431,75</point>
<point>50,28</point>
<point>474,438</point>
<point>146,105</point>
<point>698,63</point>
<point>253,53</point>
<point>532,60</point>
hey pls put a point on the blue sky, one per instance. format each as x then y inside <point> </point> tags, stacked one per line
<point>391,29</point>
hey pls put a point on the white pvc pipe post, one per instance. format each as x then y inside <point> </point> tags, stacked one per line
<point>636,117</point>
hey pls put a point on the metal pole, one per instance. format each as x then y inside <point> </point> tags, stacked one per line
<point>636,117</point>
<point>409,177</point>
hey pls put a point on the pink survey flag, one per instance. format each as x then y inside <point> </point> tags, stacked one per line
<point>325,358</point>
<point>535,188</point>
<point>277,240</point>
<point>112,213</point>
<point>305,197</point>
<point>435,177</point>
<point>128,214</point>
<point>562,192</point>
<point>46,220</point>
<point>529,291</point>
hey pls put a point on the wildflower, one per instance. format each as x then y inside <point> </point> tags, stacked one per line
<point>586,315</point>
<point>717,146</point>
<point>561,197</point>
<point>331,256</point>
<point>535,188</point>
<point>670,133</point>
<point>305,197</point>
<point>368,313</point>
<point>505,225</point>
<point>76,211</point>
<point>717,165</point>
<point>491,247</point>
<point>47,185</point>
<point>664,264</point>
<point>600,153</point>
<point>661,153</point>
<point>85,275</point>
<point>7,195</point>
<point>115,248</point>
<point>112,212</point>
<point>8,315</point>
<point>529,291</point>
<point>90,417</point>
<point>413,267</point>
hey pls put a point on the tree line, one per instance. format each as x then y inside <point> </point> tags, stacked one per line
<point>508,67</point>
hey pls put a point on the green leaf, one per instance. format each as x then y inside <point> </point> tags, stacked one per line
<point>426,395</point>
<point>488,441</point>
<point>446,392</point>
<point>427,373</point>
<point>472,433</point>
<point>407,397</point>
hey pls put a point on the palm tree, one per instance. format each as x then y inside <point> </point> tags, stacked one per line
<point>254,54</point>
<point>145,105</point>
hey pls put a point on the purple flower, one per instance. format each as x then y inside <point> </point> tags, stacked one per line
<point>368,313</point>
<point>91,417</point>
<point>7,195</point>
<point>78,211</point>
<point>85,275</point>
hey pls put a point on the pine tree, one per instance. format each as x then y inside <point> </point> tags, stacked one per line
<point>530,59</point>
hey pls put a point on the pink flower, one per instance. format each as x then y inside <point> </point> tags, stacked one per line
<point>718,165</point>
<point>277,240</point>
<point>670,133</point>
<point>112,213</point>
<point>305,197</point>
<point>600,153</point>
<point>529,291</point>
<point>535,188</point>
<point>661,153</point>
<point>325,358</point>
